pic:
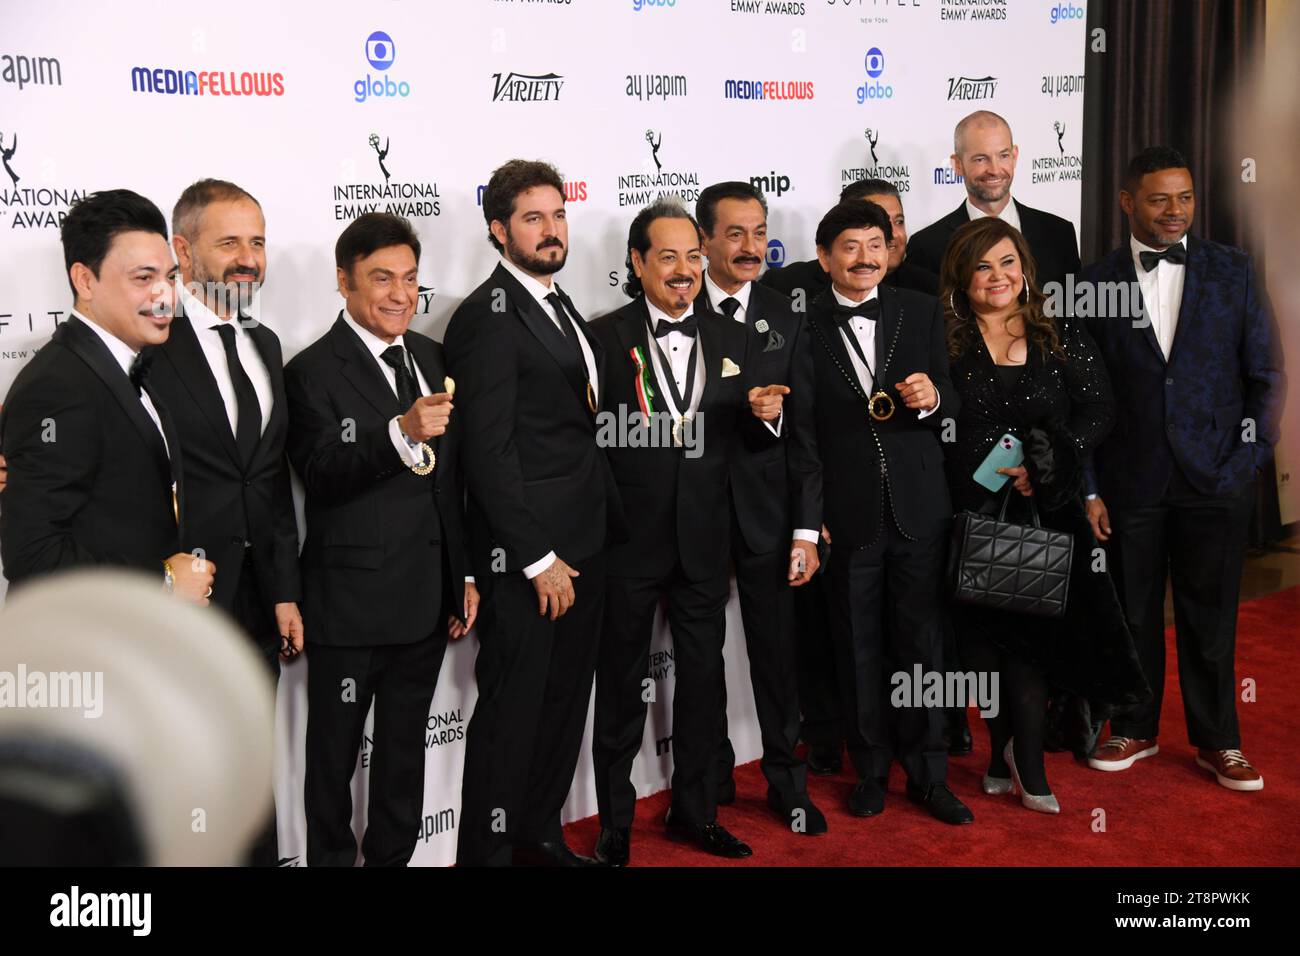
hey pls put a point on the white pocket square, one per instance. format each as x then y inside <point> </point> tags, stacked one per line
<point>729,368</point>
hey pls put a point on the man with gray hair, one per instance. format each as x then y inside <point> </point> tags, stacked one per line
<point>985,156</point>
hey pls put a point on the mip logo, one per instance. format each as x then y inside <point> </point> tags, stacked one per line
<point>875,62</point>
<point>381,51</point>
<point>775,254</point>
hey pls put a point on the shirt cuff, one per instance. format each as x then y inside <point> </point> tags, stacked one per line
<point>937,398</point>
<point>806,534</point>
<point>411,455</point>
<point>775,427</point>
<point>537,567</point>
<point>469,579</point>
<point>1091,497</point>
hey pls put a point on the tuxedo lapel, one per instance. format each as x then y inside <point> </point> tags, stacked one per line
<point>597,350</point>
<point>828,333</point>
<point>426,359</point>
<point>1127,272</point>
<point>1193,281</point>
<point>360,368</point>
<point>531,313</point>
<point>88,347</point>
<point>631,329</point>
<point>268,347</point>
<point>886,327</point>
<point>192,369</point>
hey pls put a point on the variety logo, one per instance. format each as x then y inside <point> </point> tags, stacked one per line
<point>774,7</point>
<point>773,184</point>
<point>31,207</point>
<point>875,67</point>
<point>1058,168</point>
<point>526,87</point>
<point>1065,11</point>
<point>639,189</point>
<point>962,11</point>
<point>31,70</point>
<point>381,51</point>
<point>205,82</point>
<point>409,199</point>
<point>900,174</point>
<point>646,86</point>
<point>1063,84</point>
<point>767,89</point>
<point>972,88</point>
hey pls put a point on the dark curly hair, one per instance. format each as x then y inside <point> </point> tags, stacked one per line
<point>507,182</point>
<point>968,245</point>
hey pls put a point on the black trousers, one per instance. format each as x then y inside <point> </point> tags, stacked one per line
<point>697,619</point>
<point>341,684</point>
<point>534,681</point>
<point>819,684</point>
<point>256,617</point>
<point>767,612</point>
<point>1199,542</point>
<point>904,580</point>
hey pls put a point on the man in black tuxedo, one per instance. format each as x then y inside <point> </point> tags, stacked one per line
<point>675,404</point>
<point>903,273</point>
<point>383,564</point>
<point>541,505</point>
<point>94,462</point>
<point>871,389</point>
<point>733,229</point>
<point>221,375</point>
<point>984,154</point>
<point>1199,384</point>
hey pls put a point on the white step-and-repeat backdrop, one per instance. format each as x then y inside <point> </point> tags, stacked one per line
<point>323,110</point>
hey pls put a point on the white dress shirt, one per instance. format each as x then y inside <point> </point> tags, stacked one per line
<point>1162,292</point>
<point>1009,213</point>
<point>716,295</point>
<point>123,355</point>
<point>203,320</point>
<point>676,347</point>
<point>539,291</point>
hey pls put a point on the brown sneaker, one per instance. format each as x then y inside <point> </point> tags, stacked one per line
<point>1231,769</point>
<point>1120,753</point>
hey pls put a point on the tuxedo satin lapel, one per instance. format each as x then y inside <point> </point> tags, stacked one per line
<point>891,312</point>
<point>196,375</point>
<point>1128,273</point>
<point>426,359</point>
<point>91,350</point>
<point>360,368</point>
<point>533,316</point>
<point>632,332</point>
<point>268,347</point>
<point>826,331</point>
<point>1193,283</point>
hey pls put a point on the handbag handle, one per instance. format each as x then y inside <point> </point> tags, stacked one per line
<point>1006,499</point>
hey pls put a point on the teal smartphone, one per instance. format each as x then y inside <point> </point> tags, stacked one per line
<point>1007,453</point>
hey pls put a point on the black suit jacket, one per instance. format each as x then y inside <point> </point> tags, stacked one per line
<point>760,489</point>
<point>676,507</point>
<point>383,561</point>
<point>229,503</point>
<point>1050,238</point>
<point>1225,367</point>
<point>89,477</point>
<point>537,480</point>
<point>814,280</point>
<point>840,458</point>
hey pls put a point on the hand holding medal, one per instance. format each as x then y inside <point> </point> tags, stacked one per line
<point>428,418</point>
<point>917,392</point>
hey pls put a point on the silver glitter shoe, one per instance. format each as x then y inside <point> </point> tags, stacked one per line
<point>1045,804</point>
<point>996,786</point>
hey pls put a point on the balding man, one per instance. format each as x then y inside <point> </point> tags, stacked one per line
<point>985,156</point>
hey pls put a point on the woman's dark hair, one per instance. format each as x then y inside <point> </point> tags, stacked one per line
<point>91,223</point>
<point>507,182</point>
<point>854,214</point>
<point>968,245</point>
<point>369,233</point>
<point>638,235</point>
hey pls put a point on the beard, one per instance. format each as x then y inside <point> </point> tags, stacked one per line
<point>989,194</point>
<point>532,263</point>
<point>234,294</point>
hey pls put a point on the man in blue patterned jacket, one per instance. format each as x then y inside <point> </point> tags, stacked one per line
<point>1199,386</point>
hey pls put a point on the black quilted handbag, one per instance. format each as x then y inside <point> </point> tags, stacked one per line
<point>999,564</point>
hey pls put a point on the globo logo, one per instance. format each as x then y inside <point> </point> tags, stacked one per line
<point>874,91</point>
<point>638,5</point>
<point>1066,11</point>
<point>372,86</point>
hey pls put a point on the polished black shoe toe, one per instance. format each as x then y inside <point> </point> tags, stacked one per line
<point>799,814</point>
<point>824,761</point>
<point>867,798</point>
<point>711,838</point>
<point>941,803</point>
<point>614,846</point>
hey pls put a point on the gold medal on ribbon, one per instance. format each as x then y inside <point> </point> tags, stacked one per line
<point>881,407</point>
<point>591,397</point>
<point>679,426</point>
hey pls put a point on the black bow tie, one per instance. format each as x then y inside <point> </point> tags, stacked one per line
<point>1175,255</point>
<point>870,309</point>
<point>138,373</point>
<point>686,326</point>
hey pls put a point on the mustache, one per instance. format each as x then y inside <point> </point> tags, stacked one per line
<point>547,243</point>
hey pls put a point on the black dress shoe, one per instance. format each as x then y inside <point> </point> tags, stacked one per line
<point>957,732</point>
<point>710,838</point>
<point>825,761</point>
<point>614,846</point>
<point>800,814</point>
<point>941,802</point>
<point>549,854</point>
<point>726,793</point>
<point>867,798</point>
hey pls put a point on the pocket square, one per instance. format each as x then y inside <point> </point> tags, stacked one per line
<point>729,368</point>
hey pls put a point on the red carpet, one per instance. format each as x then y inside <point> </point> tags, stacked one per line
<point>1164,811</point>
